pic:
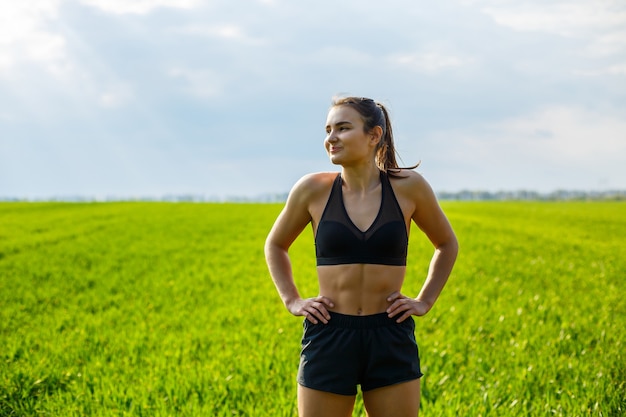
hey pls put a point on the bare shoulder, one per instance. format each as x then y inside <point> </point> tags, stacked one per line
<point>312,186</point>
<point>317,179</point>
<point>302,207</point>
<point>412,185</point>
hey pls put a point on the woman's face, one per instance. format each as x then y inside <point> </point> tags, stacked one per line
<point>346,142</point>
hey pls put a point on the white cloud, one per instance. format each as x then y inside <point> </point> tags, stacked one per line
<point>618,69</point>
<point>19,19</point>
<point>42,58</point>
<point>607,44</point>
<point>600,22</point>
<point>228,32</point>
<point>564,18</point>
<point>23,37</point>
<point>598,27</point>
<point>139,6</point>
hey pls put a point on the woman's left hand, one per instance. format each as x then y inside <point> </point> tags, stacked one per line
<point>404,307</point>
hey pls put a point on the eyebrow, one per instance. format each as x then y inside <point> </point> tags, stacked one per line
<point>340,124</point>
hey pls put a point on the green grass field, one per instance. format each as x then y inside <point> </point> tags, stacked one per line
<point>157,309</point>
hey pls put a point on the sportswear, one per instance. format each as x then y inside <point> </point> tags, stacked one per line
<point>339,241</point>
<point>371,351</point>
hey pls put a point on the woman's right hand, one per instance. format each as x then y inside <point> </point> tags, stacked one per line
<point>313,309</point>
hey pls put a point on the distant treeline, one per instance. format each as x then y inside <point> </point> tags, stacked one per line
<point>559,195</point>
<point>464,195</point>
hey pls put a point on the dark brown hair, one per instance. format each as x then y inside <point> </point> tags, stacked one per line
<point>375,114</point>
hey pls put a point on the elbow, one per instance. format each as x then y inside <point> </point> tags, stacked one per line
<point>454,249</point>
<point>272,248</point>
<point>268,248</point>
<point>454,245</point>
<point>450,246</point>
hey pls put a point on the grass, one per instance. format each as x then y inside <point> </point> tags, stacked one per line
<point>160,309</point>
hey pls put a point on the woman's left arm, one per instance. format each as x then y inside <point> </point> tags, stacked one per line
<point>429,217</point>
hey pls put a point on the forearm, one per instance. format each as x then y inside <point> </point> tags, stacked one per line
<point>438,272</point>
<point>280,270</point>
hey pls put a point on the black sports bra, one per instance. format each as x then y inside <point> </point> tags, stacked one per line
<point>338,240</point>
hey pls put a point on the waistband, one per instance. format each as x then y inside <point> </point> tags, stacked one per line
<point>361,322</point>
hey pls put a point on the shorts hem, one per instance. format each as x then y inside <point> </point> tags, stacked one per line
<point>330,391</point>
<point>389,384</point>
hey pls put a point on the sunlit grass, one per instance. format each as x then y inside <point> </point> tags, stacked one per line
<point>156,309</point>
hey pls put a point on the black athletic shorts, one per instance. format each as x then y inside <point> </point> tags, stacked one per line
<point>372,351</point>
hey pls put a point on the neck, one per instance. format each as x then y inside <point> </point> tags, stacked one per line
<point>361,179</point>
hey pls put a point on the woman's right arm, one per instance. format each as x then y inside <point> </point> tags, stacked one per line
<point>294,217</point>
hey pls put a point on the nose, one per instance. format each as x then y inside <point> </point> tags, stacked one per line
<point>328,141</point>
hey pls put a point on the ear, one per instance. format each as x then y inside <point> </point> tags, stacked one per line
<point>376,135</point>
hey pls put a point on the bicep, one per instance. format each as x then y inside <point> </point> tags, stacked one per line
<point>429,216</point>
<point>290,222</point>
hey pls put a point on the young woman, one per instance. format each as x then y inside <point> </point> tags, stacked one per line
<point>359,330</point>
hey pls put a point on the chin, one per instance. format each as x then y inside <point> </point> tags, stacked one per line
<point>335,161</point>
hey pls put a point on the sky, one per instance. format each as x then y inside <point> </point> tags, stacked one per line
<point>148,98</point>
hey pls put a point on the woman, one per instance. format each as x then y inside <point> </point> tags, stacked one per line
<point>360,330</point>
